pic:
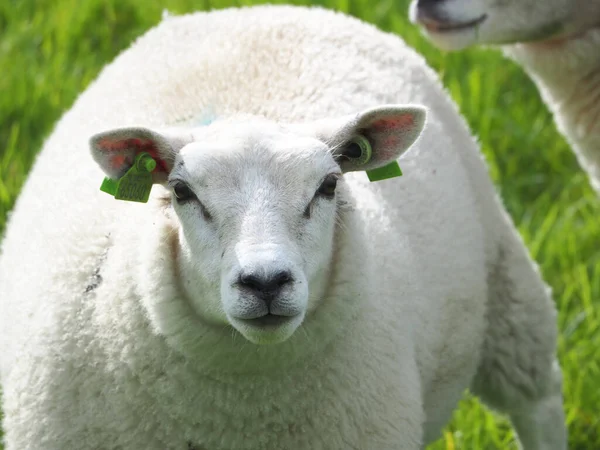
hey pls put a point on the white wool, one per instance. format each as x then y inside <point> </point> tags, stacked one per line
<point>556,41</point>
<point>430,289</point>
<point>567,74</point>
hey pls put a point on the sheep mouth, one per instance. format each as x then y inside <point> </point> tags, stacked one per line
<point>437,26</point>
<point>268,321</point>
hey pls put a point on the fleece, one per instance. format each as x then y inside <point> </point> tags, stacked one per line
<point>556,41</point>
<point>567,74</point>
<point>430,288</point>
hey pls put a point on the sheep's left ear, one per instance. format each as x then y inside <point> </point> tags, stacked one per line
<point>115,150</point>
<point>374,137</point>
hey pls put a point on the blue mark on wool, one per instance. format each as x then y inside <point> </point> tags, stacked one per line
<point>205,122</point>
<point>204,119</point>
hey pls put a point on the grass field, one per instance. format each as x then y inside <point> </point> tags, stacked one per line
<point>50,50</point>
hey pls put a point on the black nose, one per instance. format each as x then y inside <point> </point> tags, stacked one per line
<point>265,287</point>
<point>429,2</point>
<point>429,10</point>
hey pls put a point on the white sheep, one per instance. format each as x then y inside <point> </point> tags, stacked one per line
<point>144,326</point>
<point>556,41</point>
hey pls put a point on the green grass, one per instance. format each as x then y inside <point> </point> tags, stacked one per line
<point>50,51</point>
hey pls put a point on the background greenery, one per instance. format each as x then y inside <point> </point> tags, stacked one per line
<point>51,49</point>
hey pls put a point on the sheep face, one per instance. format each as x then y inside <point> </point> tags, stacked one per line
<point>256,205</point>
<point>455,24</point>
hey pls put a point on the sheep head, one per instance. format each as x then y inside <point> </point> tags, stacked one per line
<point>256,204</point>
<point>456,24</point>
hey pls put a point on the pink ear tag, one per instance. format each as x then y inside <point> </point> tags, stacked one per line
<point>136,184</point>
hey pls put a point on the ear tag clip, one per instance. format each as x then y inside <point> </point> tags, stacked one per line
<point>136,184</point>
<point>390,170</point>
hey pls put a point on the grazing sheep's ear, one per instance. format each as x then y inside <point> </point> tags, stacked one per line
<point>115,150</point>
<point>372,138</point>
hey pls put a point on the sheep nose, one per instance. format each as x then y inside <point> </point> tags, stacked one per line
<point>429,13</point>
<point>429,9</point>
<point>265,286</point>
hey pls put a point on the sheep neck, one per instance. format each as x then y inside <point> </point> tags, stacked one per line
<point>567,73</point>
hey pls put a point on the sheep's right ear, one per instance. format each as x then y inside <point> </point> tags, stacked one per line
<point>115,150</point>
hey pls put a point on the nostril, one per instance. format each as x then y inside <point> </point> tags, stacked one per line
<point>268,284</point>
<point>428,2</point>
<point>429,10</point>
<point>250,281</point>
<point>282,277</point>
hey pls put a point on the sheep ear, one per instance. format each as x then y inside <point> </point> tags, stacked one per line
<point>374,137</point>
<point>115,150</point>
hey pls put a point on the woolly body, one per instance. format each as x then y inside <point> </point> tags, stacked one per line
<point>429,289</point>
<point>556,41</point>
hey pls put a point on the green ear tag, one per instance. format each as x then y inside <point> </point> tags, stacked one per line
<point>136,184</point>
<point>381,173</point>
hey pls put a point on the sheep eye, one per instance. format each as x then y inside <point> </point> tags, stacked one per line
<point>183,193</point>
<point>327,188</point>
